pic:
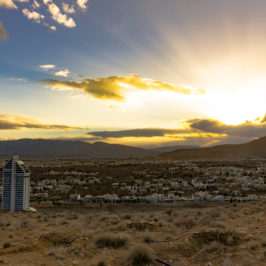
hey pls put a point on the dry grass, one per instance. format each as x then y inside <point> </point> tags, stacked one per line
<point>140,255</point>
<point>108,240</point>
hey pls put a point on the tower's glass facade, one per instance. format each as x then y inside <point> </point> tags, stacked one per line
<point>16,185</point>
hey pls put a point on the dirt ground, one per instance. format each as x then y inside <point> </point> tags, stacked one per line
<point>189,234</point>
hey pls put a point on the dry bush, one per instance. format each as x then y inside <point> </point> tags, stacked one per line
<point>99,260</point>
<point>231,215</point>
<point>108,240</point>
<point>254,245</point>
<point>140,255</point>
<point>73,216</point>
<point>126,217</point>
<point>6,245</point>
<point>58,239</point>
<point>206,220</point>
<point>219,224</point>
<point>147,237</point>
<point>214,246</point>
<point>187,223</point>
<point>169,212</point>
<point>140,226</point>
<point>215,214</point>
<point>227,238</point>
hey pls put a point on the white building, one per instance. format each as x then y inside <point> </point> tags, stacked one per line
<point>16,185</point>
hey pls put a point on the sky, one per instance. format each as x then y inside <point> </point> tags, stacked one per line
<point>144,73</point>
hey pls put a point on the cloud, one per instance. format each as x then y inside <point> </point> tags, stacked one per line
<point>263,120</point>
<point>68,9</point>
<point>82,3</point>
<point>145,132</point>
<point>58,16</point>
<point>247,129</point>
<point>8,4</point>
<point>17,122</point>
<point>112,87</point>
<point>62,73</point>
<point>199,132</point>
<point>33,15</point>
<point>47,67</point>
<point>53,9</point>
<point>35,4</point>
<point>3,34</point>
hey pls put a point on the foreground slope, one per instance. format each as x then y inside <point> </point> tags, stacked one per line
<point>252,150</point>
<point>43,148</point>
<point>113,235</point>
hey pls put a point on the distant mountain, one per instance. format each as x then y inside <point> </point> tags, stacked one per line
<point>171,148</point>
<point>43,148</point>
<point>252,150</point>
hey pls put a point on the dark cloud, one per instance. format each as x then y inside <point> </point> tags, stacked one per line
<point>247,129</point>
<point>16,122</point>
<point>3,34</point>
<point>146,132</point>
<point>113,87</point>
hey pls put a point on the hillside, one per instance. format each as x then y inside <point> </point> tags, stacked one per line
<point>251,150</point>
<point>170,148</point>
<point>42,148</point>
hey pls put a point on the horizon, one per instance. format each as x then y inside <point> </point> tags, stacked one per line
<point>142,74</point>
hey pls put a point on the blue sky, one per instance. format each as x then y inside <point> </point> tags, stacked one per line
<point>164,63</point>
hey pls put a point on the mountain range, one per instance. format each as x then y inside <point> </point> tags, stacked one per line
<point>171,148</point>
<point>43,148</point>
<point>63,149</point>
<point>255,149</point>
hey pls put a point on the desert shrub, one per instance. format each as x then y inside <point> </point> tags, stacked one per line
<point>140,255</point>
<point>127,217</point>
<point>227,238</point>
<point>213,247</point>
<point>169,212</point>
<point>148,237</point>
<point>6,245</point>
<point>188,223</point>
<point>141,226</point>
<point>219,224</point>
<point>73,216</point>
<point>215,214</point>
<point>111,241</point>
<point>58,239</point>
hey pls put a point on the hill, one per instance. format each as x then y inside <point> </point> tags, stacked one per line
<point>170,148</point>
<point>252,150</point>
<point>43,148</point>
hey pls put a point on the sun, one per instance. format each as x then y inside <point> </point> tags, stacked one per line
<point>235,108</point>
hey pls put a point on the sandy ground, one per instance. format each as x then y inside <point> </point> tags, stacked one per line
<point>202,234</point>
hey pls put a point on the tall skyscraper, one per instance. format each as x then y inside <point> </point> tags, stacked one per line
<point>16,185</point>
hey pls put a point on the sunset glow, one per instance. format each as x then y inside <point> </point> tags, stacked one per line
<point>92,67</point>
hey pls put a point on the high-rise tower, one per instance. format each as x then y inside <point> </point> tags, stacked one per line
<point>16,185</point>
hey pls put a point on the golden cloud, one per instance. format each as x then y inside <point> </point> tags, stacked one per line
<point>113,87</point>
<point>17,122</point>
<point>248,129</point>
<point>3,34</point>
